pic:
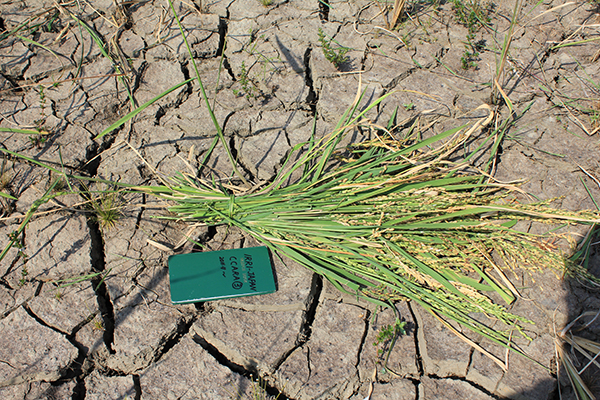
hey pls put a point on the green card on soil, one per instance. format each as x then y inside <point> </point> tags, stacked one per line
<point>221,274</point>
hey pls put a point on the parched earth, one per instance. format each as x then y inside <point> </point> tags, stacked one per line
<point>85,305</point>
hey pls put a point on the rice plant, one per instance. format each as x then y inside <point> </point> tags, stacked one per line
<point>387,220</point>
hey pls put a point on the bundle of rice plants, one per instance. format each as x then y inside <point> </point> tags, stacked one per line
<point>388,220</point>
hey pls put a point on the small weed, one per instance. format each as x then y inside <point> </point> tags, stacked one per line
<point>17,243</point>
<point>390,332</point>
<point>42,101</point>
<point>595,119</point>
<point>266,3</point>
<point>473,15</point>
<point>24,271</point>
<point>264,61</point>
<point>98,325</point>
<point>14,237</point>
<point>23,256</point>
<point>248,88</point>
<point>471,52</point>
<point>409,106</point>
<point>5,180</point>
<point>259,392</point>
<point>335,56</point>
<point>386,337</point>
<point>58,295</point>
<point>468,59</point>
<point>260,62</point>
<point>39,123</point>
<point>38,140</point>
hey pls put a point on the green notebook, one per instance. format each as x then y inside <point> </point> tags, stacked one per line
<point>221,274</point>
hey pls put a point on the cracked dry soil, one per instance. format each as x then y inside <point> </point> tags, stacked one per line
<point>115,335</point>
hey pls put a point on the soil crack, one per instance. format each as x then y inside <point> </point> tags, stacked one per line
<point>247,371</point>
<point>418,357</point>
<point>323,10</point>
<point>308,319</point>
<point>105,305</point>
<point>312,98</point>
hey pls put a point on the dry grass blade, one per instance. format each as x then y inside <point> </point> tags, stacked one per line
<point>587,348</point>
<point>471,343</point>
<point>397,11</point>
<point>398,8</point>
<point>581,390</point>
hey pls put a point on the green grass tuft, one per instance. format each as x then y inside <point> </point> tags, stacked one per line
<point>336,56</point>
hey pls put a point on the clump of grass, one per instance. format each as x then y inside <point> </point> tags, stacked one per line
<point>106,206</point>
<point>98,324</point>
<point>336,56</point>
<point>108,210</point>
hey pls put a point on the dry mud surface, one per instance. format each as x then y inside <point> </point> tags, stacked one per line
<point>120,337</point>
